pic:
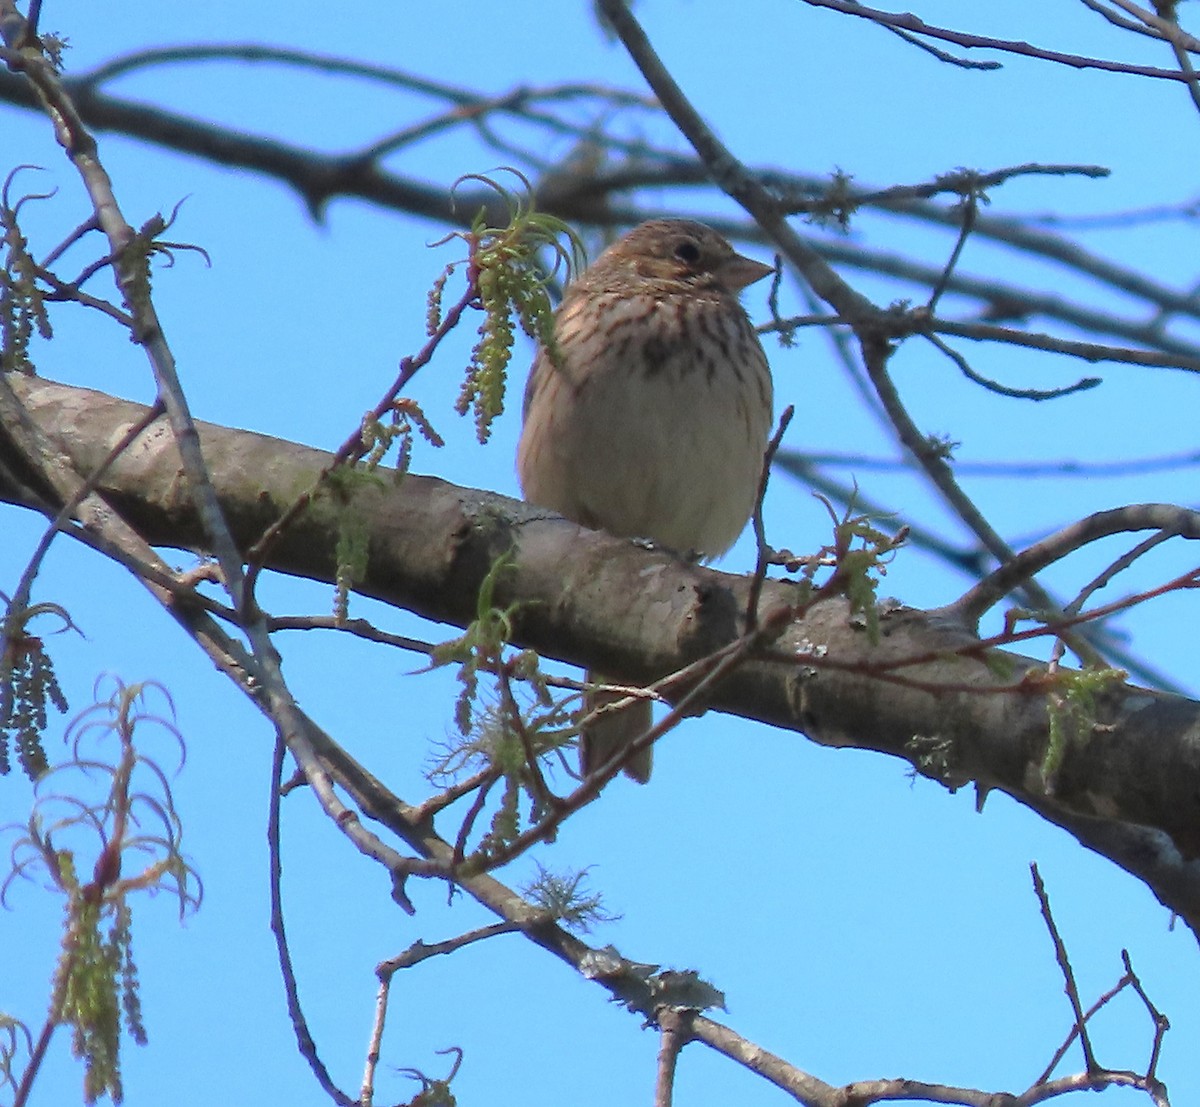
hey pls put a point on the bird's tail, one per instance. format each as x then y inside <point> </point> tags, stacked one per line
<point>604,737</point>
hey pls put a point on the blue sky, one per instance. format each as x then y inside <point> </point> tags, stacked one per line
<point>860,924</point>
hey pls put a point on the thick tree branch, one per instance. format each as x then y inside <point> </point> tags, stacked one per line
<point>1128,789</point>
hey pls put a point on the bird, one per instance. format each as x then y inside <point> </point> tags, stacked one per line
<point>653,418</point>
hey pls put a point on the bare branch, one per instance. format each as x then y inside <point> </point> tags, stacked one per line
<point>916,26</point>
<point>1016,570</point>
<point>1064,964</point>
<point>304,1038</point>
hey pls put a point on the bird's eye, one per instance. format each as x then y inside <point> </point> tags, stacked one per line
<point>687,251</point>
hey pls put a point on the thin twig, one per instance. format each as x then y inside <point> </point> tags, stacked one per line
<point>1159,25</point>
<point>763,556</point>
<point>1119,20</point>
<point>1064,963</point>
<point>1101,579</point>
<point>353,447</point>
<point>86,227</point>
<point>386,970</point>
<point>1067,468</point>
<point>512,711</point>
<point>423,812</point>
<point>979,331</point>
<point>942,55</point>
<point>1161,1023</point>
<point>473,813</point>
<point>1016,571</point>
<point>1103,1001</point>
<point>914,25</point>
<point>1176,37</point>
<point>422,951</point>
<point>359,628</point>
<point>304,1038</point>
<point>36,1056</point>
<point>969,207</point>
<point>1036,394</point>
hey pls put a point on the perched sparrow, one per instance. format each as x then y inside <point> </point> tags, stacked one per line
<point>654,423</point>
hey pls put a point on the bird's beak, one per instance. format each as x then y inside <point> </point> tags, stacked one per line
<point>741,272</point>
